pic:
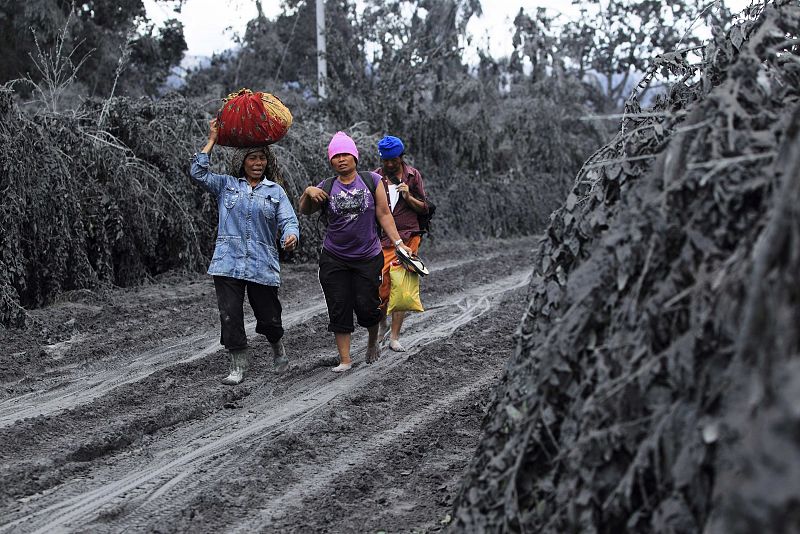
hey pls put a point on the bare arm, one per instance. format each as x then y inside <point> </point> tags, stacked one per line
<point>384,216</point>
<point>414,203</point>
<point>213,131</point>
<point>200,171</point>
<point>312,199</point>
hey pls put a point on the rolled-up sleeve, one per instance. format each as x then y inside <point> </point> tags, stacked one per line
<point>418,190</point>
<point>201,173</point>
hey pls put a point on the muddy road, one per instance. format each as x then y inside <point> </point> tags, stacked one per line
<point>113,417</point>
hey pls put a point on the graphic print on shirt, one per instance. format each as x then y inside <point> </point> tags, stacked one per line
<point>349,204</point>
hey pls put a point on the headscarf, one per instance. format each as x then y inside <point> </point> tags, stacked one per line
<point>271,172</point>
<point>390,147</point>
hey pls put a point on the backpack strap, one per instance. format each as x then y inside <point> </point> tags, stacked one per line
<point>366,177</point>
<point>369,181</point>
<point>327,185</point>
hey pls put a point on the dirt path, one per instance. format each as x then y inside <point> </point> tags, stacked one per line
<point>145,438</point>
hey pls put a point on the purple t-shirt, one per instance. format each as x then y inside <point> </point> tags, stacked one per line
<point>352,234</point>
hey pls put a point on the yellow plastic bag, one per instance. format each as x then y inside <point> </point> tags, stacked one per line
<point>404,294</point>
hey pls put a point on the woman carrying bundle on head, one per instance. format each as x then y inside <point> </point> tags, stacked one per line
<point>351,259</point>
<point>255,216</point>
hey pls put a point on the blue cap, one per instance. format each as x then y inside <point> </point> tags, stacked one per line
<point>390,147</point>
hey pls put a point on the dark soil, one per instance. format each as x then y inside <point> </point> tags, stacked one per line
<point>114,418</point>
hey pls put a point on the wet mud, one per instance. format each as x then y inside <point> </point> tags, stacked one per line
<point>113,417</point>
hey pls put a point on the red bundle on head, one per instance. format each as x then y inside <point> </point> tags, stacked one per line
<point>249,119</point>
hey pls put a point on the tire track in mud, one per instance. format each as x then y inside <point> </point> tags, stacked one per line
<point>80,388</point>
<point>194,455</point>
<point>324,475</point>
<point>78,392</point>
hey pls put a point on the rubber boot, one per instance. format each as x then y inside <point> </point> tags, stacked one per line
<point>238,368</point>
<point>279,359</point>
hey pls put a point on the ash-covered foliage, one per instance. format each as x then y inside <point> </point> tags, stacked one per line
<point>87,204</point>
<point>655,383</point>
<point>497,166</point>
<point>103,196</point>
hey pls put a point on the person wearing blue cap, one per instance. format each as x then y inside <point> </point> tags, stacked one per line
<point>351,258</point>
<point>407,201</point>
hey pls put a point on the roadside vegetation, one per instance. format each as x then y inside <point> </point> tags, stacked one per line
<point>655,377</point>
<point>95,147</point>
<point>654,381</point>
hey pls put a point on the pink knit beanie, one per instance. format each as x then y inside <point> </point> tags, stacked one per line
<point>341,143</point>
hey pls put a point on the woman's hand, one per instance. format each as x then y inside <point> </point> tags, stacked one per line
<point>213,132</point>
<point>316,194</point>
<point>406,248</point>
<point>312,199</point>
<point>290,243</point>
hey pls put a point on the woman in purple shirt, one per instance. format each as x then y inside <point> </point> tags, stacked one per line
<point>351,259</point>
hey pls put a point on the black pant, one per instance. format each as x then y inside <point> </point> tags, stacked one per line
<point>266,307</point>
<point>350,286</point>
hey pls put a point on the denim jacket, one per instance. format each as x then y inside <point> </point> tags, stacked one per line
<point>250,221</point>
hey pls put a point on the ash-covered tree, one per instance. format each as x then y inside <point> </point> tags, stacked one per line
<point>417,44</point>
<point>279,50</point>
<point>613,41</point>
<point>280,55</point>
<point>153,54</point>
<point>102,31</point>
<point>610,43</point>
<point>536,42</point>
<point>413,58</point>
<point>398,67</point>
